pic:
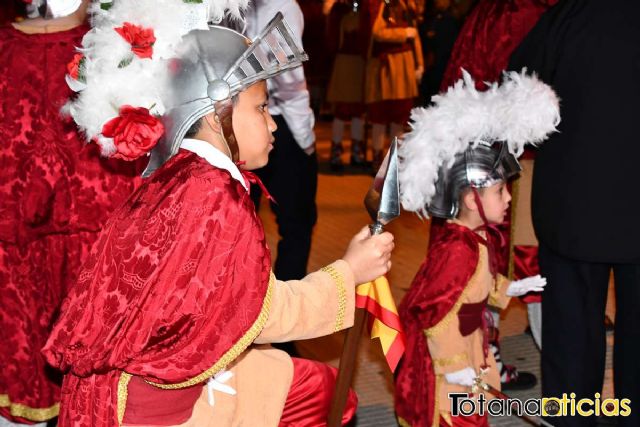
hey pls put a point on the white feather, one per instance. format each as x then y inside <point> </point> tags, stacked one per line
<point>109,85</point>
<point>521,110</point>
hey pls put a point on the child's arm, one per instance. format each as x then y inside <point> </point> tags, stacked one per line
<point>498,297</point>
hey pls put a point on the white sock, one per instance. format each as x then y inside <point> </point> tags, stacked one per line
<point>377,137</point>
<point>495,315</point>
<point>337,130</point>
<point>357,129</point>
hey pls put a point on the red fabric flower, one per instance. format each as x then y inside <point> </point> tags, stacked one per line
<point>140,39</point>
<point>73,67</point>
<point>135,132</point>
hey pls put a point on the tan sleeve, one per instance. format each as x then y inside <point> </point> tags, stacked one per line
<point>498,296</point>
<point>447,346</point>
<point>382,33</point>
<point>320,304</point>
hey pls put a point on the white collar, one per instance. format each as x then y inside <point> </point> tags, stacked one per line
<point>214,157</point>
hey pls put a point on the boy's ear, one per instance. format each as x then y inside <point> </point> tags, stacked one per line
<point>213,121</point>
<point>469,201</point>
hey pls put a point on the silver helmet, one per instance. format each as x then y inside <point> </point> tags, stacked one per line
<point>210,68</point>
<point>479,166</point>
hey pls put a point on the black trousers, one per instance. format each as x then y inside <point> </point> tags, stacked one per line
<point>291,176</point>
<point>573,332</point>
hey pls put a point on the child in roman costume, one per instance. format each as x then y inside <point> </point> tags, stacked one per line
<point>491,32</point>
<point>454,164</point>
<point>170,321</point>
<point>346,86</point>
<point>394,68</point>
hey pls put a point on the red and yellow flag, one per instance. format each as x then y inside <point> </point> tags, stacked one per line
<point>384,322</point>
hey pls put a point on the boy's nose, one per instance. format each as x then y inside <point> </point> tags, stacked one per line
<point>271,124</point>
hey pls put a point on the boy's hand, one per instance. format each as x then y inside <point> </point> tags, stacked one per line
<point>464,377</point>
<point>528,284</point>
<point>369,256</point>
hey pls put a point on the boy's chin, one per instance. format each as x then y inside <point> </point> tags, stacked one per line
<point>498,219</point>
<point>256,164</point>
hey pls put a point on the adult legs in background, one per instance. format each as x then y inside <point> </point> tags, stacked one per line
<point>534,314</point>
<point>292,179</point>
<point>291,176</point>
<point>337,134</point>
<point>626,347</point>
<point>378,131</point>
<point>573,333</point>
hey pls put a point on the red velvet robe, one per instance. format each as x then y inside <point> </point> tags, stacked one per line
<point>172,292</point>
<point>8,12</point>
<point>452,260</point>
<point>56,193</point>
<point>490,33</point>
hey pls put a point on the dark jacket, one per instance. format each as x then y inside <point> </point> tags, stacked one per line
<point>586,195</point>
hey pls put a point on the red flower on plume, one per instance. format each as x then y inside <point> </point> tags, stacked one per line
<point>73,67</point>
<point>135,132</point>
<point>140,39</point>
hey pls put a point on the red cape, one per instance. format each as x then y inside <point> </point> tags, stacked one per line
<point>175,288</point>
<point>452,260</point>
<point>490,33</point>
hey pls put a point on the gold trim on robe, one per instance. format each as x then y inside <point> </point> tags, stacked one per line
<point>342,294</point>
<point>123,394</point>
<point>24,411</point>
<point>235,351</point>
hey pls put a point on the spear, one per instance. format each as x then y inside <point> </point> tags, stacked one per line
<point>383,203</point>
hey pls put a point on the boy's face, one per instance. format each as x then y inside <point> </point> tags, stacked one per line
<point>495,201</point>
<point>253,126</point>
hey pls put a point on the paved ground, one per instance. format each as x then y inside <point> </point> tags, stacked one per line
<point>341,214</point>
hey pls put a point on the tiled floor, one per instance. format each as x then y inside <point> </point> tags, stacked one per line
<point>342,214</point>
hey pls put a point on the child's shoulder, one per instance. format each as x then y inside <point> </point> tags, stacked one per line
<point>454,237</point>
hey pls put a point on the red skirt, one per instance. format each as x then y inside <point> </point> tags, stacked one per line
<point>390,111</point>
<point>309,398</point>
<point>347,110</point>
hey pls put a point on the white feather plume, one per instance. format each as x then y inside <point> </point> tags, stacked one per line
<point>108,84</point>
<point>521,110</point>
